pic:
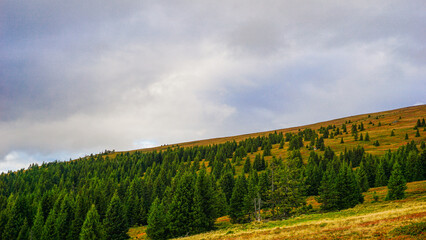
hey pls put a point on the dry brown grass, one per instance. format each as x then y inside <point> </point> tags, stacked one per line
<point>389,120</point>
<point>365,221</point>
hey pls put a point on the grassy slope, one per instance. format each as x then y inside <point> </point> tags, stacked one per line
<point>389,120</point>
<point>352,223</point>
<point>364,221</point>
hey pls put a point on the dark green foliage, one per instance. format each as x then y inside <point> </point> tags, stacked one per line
<point>392,133</point>
<point>376,143</point>
<point>38,224</point>
<point>381,179</point>
<point>227,185</point>
<point>157,224</point>
<point>296,142</point>
<point>203,208</point>
<point>180,215</point>
<point>341,140</point>
<point>328,194</point>
<point>348,188</point>
<point>24,233</point>
<point>237,210</point>
<point>49,232</point>
<point>406,136</point>
<point>397,184</point>
<point>115,224</point>
<point>267,149</point>
<point>281,144</point>
<point>412,229</point>
<point>92,228</point>
<point>64,218</point>
<point>247,165</point>
<point>367,137</point>
<point>417,133</point>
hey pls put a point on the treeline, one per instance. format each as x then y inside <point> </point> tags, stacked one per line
<point>182,191</point>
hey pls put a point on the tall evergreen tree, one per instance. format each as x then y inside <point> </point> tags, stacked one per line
<point>381,179</point>
<point>64,219</point>
<point>227,185</point>
<point>115,222</point>
<point>24,233</point>
<point>38,224</point>
<point>203,207</point>
<point>49,231</point>
<point>348,188</point>
<point>180,215</point>
<point>328,194</point>
<point>237,211</point>
<point>247,165</point>
<point>157,225</point>
<point>397,184</point>
<point>92,228</point>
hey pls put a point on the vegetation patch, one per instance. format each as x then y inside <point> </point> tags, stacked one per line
<point>413,229</point>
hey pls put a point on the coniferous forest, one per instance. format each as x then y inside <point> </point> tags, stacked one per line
<point>182,190</point>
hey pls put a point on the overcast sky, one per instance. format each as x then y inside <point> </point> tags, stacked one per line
<point>83,76</point>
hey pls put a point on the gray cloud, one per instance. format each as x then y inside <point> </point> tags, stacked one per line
<point>83,76</point>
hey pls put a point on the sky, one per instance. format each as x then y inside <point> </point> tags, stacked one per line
<point>78,77</point>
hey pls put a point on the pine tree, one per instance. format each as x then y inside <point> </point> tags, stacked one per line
<point>132,206</point>
<point>64,219</point>
<point>397,184</point>
<point>49,232</point>
<point>156,228</point>
<point>92,228</point>
<point>417,133</point>
<point>367,137</point>
<point>24,233</point>
<point>392,133</point>
<point>180,215</point>
<point>38,224</point>
<point>381,179</point>
<point>237,211</point>
<point>406,136</point>
<point>227,185</point>
<point>115,224</point>
<point>328,194</point>
<point>247,165</point>
<point>348,189</point>
<point>341,140</point>
<point>203,207</point>
<point>281,144</point>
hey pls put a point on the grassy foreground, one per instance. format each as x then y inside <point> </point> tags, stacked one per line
<point>371,220</point>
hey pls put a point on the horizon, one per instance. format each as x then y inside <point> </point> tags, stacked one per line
<point>85,76</point>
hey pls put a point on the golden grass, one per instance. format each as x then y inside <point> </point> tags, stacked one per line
<point>389,120</point>
<point>364,221</point>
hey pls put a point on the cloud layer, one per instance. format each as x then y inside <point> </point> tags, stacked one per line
<point>84,76</point>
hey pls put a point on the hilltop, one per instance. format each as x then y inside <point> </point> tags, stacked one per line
<point>285,179</point>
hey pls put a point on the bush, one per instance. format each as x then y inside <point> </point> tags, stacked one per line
<point>413,229</point>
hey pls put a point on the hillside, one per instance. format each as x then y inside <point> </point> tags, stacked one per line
<point>401,120</point>
<point>301,177</point>
<point>371,220</point>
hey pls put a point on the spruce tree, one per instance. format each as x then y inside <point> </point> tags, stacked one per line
<point>180,215</point>
<point>157,224</point>
<point>328,194</point>
<point>115,222</point>
<point>381,179</point>
<point>417,133</point>
<point>227,185</point>
<point>348,188</point>
<point>392,133</point>
<point>203,207</point>
<point>49,232</point>
<point>38,224</point>
<point>92,228</point>
<point>237,211</point>
<point>247,165</point>
<point>367,137</point>
<point>24,233</point>
<point>406,136</point>
<point>397,184</point>
<point>64,219</point>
